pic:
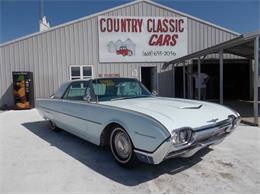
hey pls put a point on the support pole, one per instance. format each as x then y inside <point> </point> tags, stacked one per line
<point>251,79</point>
<point>256,56</point>
<point>199,79</point>
<point>173,79</point>
<point>221,76</point>
<point>184,80</point>
<point>189,70</point>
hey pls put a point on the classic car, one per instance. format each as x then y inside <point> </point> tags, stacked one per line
<point>137,125</point>
<point>124,51</point>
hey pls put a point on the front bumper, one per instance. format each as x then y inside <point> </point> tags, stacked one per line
<point>201,138</point>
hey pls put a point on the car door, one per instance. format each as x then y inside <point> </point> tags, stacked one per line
<point>77,111</point>
<point>73,108</point>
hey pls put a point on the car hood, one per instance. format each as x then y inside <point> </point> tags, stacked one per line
<point>176,113</point>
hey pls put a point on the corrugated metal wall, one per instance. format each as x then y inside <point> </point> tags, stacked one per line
<point>48,55</point>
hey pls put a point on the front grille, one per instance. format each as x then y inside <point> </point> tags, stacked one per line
<point>197,143</point>
<point>213,132</point>
<point>204,135</point>
<point>219,124</point>
<point>214,137</point>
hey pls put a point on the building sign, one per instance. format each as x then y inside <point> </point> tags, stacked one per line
<point>141,39</point>
<point>109,75</point>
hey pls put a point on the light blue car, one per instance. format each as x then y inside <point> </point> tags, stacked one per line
<point>122,113</point>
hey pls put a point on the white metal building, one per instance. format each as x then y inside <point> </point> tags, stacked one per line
<point>132,40</point>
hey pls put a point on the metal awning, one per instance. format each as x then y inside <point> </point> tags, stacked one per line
<point>242,46</point>
<point>246,46</point>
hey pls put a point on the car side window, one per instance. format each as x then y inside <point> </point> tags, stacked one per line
<point>61,91</point>
<point>99,88</point>
<point>76,91</point>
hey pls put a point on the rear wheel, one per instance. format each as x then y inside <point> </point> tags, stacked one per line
<point>122,148</point>
<point>53,126</point>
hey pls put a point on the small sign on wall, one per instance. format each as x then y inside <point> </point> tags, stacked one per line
<point>109,75</point>
<point>141,39</point>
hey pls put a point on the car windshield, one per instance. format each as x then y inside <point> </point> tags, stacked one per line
<point>119,88</point>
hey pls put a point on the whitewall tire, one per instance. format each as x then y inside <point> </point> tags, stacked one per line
<point>122,148</point>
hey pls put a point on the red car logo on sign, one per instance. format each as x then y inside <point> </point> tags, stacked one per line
<point>124,51</point>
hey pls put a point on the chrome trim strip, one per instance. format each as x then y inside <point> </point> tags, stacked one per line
<point>141,134</point>
<point>218,124</point>
<point>159,154</point>
<point>191,107</point>
<point>69,115</point>
<point>150,152</point>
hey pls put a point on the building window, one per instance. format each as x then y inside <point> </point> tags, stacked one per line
<point>81,72</point>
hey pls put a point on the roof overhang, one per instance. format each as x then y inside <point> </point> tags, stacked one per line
<point>241,46</point>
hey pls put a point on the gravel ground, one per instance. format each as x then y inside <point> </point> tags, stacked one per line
<point>33,159</point>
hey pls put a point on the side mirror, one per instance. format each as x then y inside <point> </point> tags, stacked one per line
<point>154,93</point>
<point>52,96</point>
<point>87,96</point>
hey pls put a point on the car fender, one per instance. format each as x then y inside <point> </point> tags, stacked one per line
<point>145,132</point>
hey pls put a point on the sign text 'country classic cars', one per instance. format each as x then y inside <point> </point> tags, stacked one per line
<point>139,39</point>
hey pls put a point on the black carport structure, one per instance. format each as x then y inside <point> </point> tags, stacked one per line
<point>246,46</point>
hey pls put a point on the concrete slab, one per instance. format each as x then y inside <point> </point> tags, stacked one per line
<point>33,159</point>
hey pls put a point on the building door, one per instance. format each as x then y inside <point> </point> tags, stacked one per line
<point>149,77</point>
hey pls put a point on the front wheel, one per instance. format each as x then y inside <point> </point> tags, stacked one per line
<point>122,148</point>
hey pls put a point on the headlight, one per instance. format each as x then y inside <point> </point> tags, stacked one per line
<point>233,121</point>
<point>181,136</point>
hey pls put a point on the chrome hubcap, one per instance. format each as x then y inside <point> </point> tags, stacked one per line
<point>122,145</point>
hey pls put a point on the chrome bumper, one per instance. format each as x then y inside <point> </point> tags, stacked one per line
<point>201,139</point>
<point>195,147</point>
